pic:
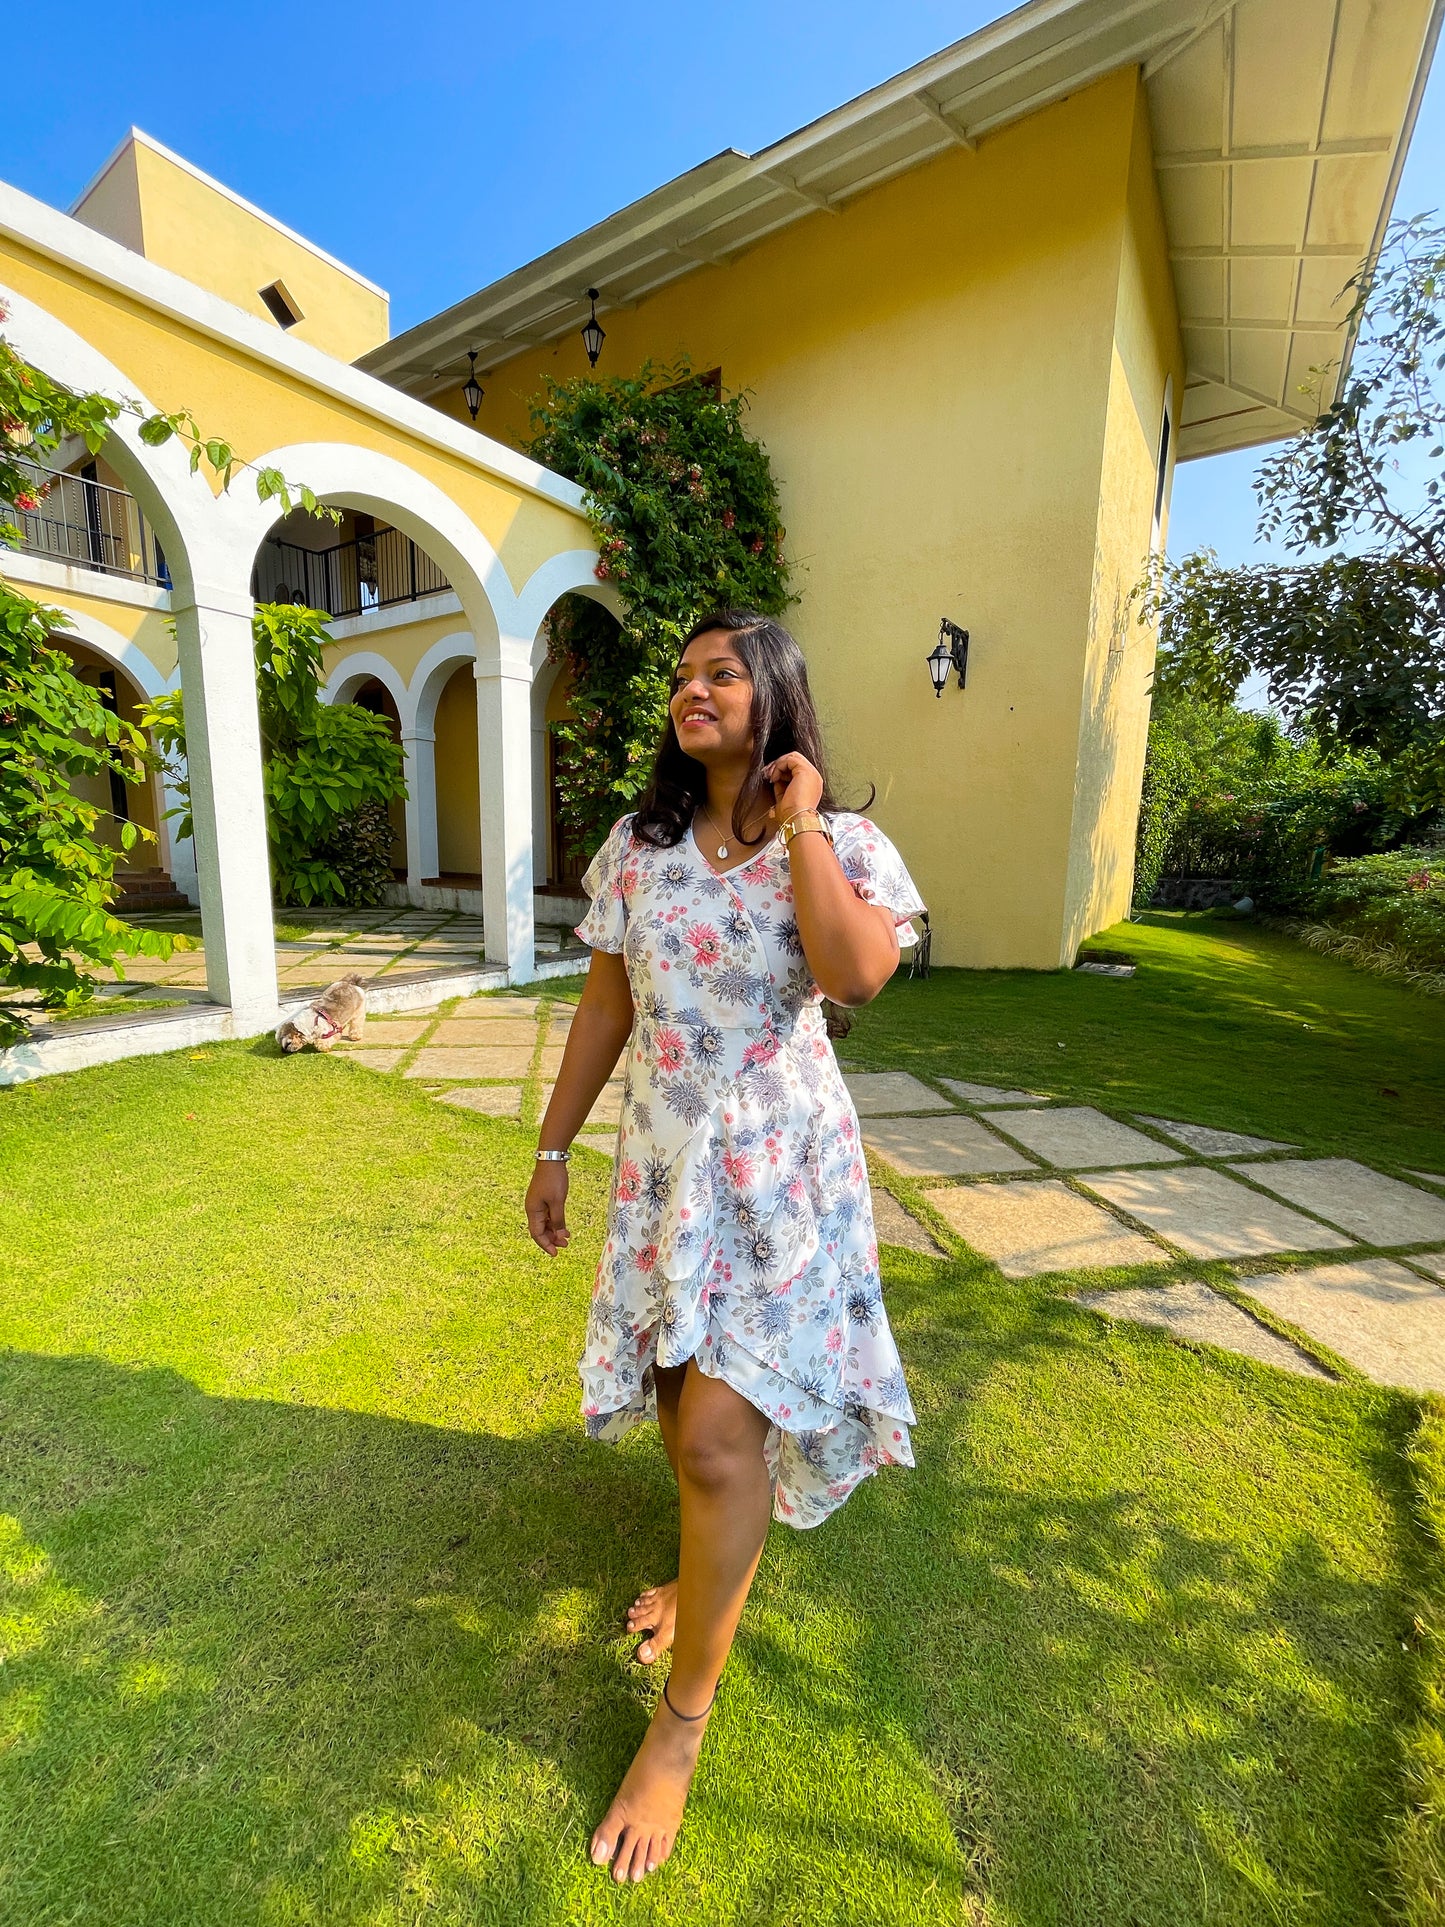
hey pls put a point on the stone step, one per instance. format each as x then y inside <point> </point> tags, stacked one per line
<point>147,890</point>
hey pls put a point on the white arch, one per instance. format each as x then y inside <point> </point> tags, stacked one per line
<point>363,667</point>
<point>116,648</point>
<point>574,572</point>
<point>181,507</point>
<point>433,673</point>
<point>349,476</point>
<point>212,606</point>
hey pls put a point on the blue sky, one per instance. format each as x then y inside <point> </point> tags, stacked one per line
<point>434,148</point>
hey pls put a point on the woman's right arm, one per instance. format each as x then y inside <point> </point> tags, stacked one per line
<point>599,1032</point>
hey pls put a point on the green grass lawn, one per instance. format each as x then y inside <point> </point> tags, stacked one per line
<point>310,1589</point>
<point>1225,1024</point>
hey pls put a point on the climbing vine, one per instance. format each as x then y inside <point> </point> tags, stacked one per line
<point>685,511</point>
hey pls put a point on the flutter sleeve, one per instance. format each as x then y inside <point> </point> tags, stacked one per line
<point>876,871</point>
<point>604,924</point>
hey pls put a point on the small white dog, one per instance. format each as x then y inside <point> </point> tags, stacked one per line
<point>336,1016</point>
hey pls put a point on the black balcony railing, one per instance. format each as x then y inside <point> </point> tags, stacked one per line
<point>369,572</point>
<point>81,520</point>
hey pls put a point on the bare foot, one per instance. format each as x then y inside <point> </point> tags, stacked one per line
<point>639,1828</point>
<point>655,1611</point>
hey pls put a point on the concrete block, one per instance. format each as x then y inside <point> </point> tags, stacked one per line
<point>895,1226</point>
<point>941,1147</point>
<point>1208,1215</point>
<point>503,1062</point>
<point>494,1008</point>
<point>1210,1143</point>
<point>515,1030</point>
<point>375,1060</point>
<point>1389,1323</point>
<point>1077,1137</point>
<point>381,1031</point>
<point>1374,1209</point>
<point>987,1094</point>
<point>1192,1310</point>
<point>875,1093</point>
<point>1032,1228</point>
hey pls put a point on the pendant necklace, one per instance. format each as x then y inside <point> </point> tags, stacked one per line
<point>722,853</point>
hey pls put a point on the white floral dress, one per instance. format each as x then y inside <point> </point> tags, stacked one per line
<point>740,1226</point>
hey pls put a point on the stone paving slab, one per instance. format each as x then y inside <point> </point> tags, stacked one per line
<point>1376,1210</point>
<point>392,1030</point>
<point>876,1092</point>
<point>506,1030</point>
<point>1192,1310</point>
<point>607,1109</point>
<point>376,1060</point>
<point>1208,1215</point>
<point>1430,1177</point>
<point>604,1142</point>
<point>1076,1137</point>
<point>1028,1228</point>
<point>504,1061</point>
<point>1389,1323</point>
<point>492,1100</point>
<point>1431,1261</point>
<point>895,1226</point>
<point>1210,1143</point>
<point>941,1147</point>
<point>987,1093</point>
<point>496,1007</point>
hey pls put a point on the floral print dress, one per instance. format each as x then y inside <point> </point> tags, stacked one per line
<point>740,1226</point>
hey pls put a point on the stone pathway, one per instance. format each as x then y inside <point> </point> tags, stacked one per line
<point>1041,1187</point>
<point>1046,1188</point>
<point>491,1054</point>
<point>384,945</point>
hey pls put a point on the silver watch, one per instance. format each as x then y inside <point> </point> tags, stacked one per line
<point>553,1157</point>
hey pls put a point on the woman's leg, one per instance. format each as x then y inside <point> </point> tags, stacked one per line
<point>726,1496</point>
<point>655,1611</point>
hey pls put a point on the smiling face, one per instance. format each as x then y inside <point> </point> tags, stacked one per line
<point>712,701</point>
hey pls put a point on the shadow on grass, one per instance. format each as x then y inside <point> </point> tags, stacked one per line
<point>285,1664</point>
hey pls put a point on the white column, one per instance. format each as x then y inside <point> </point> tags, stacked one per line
<point>420,749</point>
<point>223,743</point>
<point>504,754</point>
<point>541,805</point>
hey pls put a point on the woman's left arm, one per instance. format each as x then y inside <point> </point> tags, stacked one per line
<point>851,946</point>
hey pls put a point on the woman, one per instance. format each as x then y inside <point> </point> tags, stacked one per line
<point>737,1297</point>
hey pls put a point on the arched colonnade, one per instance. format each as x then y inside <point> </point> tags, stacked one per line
<point>210,542</point>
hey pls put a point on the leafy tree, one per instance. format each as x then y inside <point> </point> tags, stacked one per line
<point>57,878</point>
<point>1228,793</point>
<point>1352,637</point>
<point>329,769</point>
<point>686,515</point>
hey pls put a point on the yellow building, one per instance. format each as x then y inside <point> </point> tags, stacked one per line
<point>979,313</point>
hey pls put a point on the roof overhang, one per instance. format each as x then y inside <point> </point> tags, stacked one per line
<point>1279,126</point>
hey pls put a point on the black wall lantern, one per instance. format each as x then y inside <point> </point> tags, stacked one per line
<point>951,653</point>
<point>472,390</point>
<point>593,335</point>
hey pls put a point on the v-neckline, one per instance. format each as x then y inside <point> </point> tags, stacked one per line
<point>701,853</point>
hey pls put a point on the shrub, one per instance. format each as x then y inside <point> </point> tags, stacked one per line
<point>1231,794</point>
<point>1392,901</point>
<point>328,767</point>
<point>685,510</point>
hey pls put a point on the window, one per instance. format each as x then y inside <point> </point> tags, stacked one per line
<point>283,309</point>
<point>1161,479</point>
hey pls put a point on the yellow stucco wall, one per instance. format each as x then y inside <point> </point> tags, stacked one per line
<point>259,408</point>
<point>402,646</point>
<point>1114,718</point>
<point>458,777</point>
<point>933,373</point>
<point>184,223</point>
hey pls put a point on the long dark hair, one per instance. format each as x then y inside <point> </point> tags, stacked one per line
<point>783,719</point>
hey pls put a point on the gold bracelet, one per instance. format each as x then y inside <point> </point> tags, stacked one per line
<point>801,822</point>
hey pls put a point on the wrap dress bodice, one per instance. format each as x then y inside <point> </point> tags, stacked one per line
<point>740,1226</point>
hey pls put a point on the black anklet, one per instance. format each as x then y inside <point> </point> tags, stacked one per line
<point>689,1716</point>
